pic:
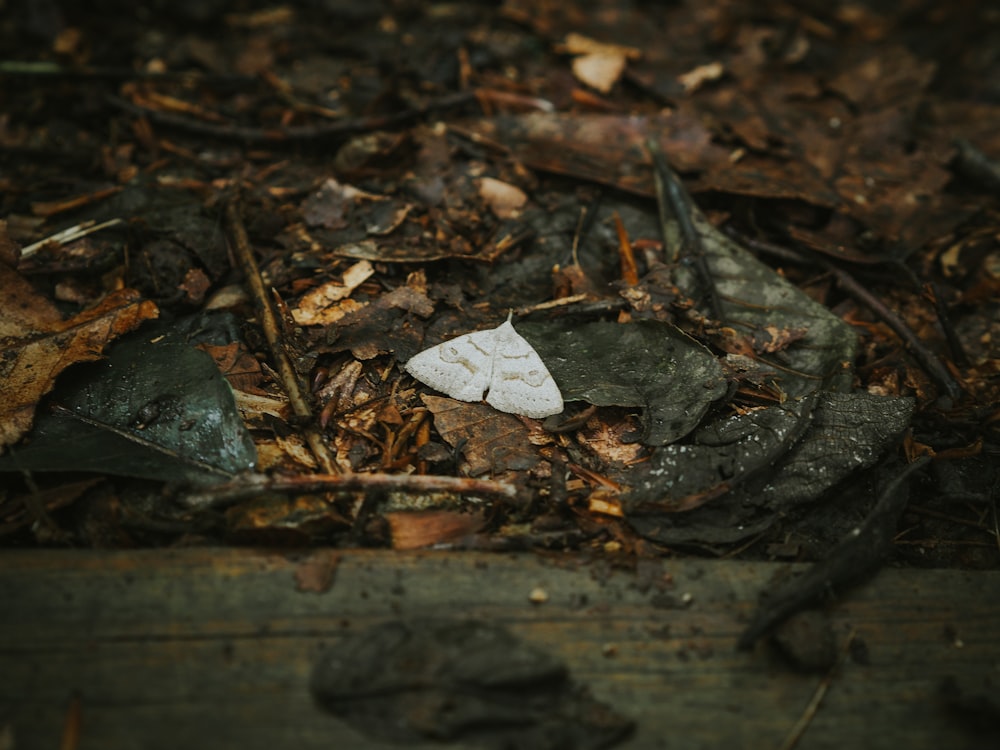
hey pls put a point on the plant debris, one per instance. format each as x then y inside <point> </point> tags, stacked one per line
<point>756,252</point>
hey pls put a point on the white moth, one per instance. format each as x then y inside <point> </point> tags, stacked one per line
<point>499,361</point>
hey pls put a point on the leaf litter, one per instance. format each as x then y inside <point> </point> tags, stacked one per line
<point>698,384</point>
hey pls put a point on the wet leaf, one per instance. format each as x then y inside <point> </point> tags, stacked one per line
<point>722,456</point>
<point>754,298</point>
<point>756,466</point>
<point>152,410</point>
<point>36,344</point>
<point>650,364</point>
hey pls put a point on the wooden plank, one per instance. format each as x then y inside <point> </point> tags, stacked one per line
<point>213,647</point>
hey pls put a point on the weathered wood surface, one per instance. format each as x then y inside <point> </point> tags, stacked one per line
<point>213,648</point>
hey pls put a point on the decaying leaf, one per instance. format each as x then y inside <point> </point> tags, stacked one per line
<point>375,328</point>
<point>156,410</point>
<point>317,306</point>
<point>756,466</point>
<point>818,349</point>
<point>491,441</point>
<point>280,519</point>
<point>648,363</point>
<point>37,344</point>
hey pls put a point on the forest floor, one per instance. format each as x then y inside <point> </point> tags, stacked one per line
<point>750,254</point>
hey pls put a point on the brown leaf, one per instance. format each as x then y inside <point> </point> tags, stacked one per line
<point>239,366</point>
<point>279,520</point>
<point>319,306</point>
<point>490,440</point>
<point>36,344</point>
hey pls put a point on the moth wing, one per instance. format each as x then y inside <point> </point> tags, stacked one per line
<point>520,382</point>
<point>460,368</point>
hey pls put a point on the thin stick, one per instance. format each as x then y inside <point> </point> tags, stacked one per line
<point>675,205</point>
<point>70,235</point>
<point>272,332</point>
<point>824,685</point>
<point>25,69</point>
<point>927,359</point>
<point>254,485</point>
<point>331,130</point>
<point>551,304</point>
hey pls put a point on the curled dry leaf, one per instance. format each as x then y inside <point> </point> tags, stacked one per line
<point>599,65</point>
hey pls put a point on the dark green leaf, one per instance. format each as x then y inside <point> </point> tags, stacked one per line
<point>729,465</point>
<point>754,298</point>
<point>152,410</point>
<point>648,363</point>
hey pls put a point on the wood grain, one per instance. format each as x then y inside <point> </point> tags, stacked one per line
<point>213,647</point>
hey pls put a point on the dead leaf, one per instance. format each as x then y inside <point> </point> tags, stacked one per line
<point>769,339</point>
<point>695,78</point>
<point>490,440</point>
<point>317,308</point>
<point>599,64</point>
<point>377,327</point>
<point>36,344</point>
<point>294,520</point>
<point>240,367</point>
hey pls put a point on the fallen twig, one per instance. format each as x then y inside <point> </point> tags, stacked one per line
<point>927,359</point>
<point>254,485</point>
<point>272,332</point>
<point>824,685</point>
<point>331,130</point>
<point>72,234</point>
<point>674,202</point>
